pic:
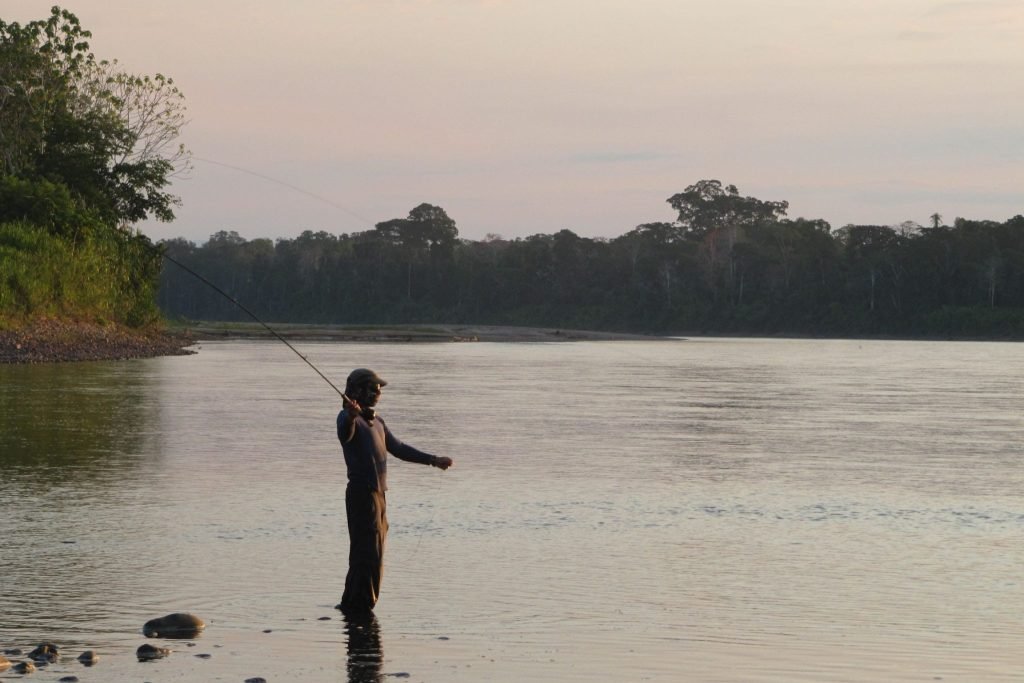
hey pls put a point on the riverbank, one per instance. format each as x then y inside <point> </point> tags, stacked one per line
<point>405,333</point>
<point>49,340</point>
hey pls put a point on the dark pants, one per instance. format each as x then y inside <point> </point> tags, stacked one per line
<point>367,529</point>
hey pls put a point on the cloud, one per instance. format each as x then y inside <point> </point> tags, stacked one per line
<point>899,193</point>
<point>977,26</point>
<point>979,9</point>
<point>994,17</point>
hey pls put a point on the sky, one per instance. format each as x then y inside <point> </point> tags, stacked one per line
<point>520,117</point>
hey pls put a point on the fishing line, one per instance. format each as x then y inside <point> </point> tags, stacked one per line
<point>345,399</point>
<point>283,183</point>
<point>162,253</point>
<point>233,299</point>
<point>254,317</point>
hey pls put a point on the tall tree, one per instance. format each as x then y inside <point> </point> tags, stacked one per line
<point>870,252</point>
<point>426,231</point>
<point>67,118</point>
<point>707,206</point>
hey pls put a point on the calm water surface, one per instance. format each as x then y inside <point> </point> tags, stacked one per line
<point>699,510</point>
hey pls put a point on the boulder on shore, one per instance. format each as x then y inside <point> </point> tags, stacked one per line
<point>176,625</point>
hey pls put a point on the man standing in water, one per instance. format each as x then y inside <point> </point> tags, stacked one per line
<point>366,442</point>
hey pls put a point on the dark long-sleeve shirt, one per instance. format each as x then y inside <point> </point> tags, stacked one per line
<point>366,455</point>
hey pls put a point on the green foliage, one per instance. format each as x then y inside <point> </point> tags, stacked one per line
<point>706,206</point>
<point>965,322</point>
<point>85,151</point>
<point>68,119</point>
<point>110,277</point>
<point>48,205</point>
<point>752,274</point>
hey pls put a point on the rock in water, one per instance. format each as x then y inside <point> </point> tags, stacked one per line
<point>255,680</point>
<point>177,625</point>
<point>45,652</point>
<point>4,663</point>
<point>88,658</point>
<point>24,668</point>
<point>147,652</point>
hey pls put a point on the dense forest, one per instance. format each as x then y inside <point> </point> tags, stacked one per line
<point>86,151</point>
<point>728,264</point>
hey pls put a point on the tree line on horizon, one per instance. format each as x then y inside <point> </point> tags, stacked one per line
<point>728,264</point>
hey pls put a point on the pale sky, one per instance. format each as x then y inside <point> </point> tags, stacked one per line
<point>529,116</point>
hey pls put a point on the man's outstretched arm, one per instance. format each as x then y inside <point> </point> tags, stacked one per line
<point>404,451</point>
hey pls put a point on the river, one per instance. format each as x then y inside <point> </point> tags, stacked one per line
<point>672,510</point>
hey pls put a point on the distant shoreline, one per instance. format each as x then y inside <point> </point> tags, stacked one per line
<point>511,333</point>
<point>406,333</point>
<point>52,340</point>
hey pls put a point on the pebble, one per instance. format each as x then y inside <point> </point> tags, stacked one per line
<point>88,658</point>
<point>147,652</point>
<point>24,668</point>
<point>203,655</point>
<point>324,619</point>
<point>4,663</point>
<point>45,652</point>
<point>14,651</point>
<point>255,680</point>
<point>64,340</point>
<point>68,679</point>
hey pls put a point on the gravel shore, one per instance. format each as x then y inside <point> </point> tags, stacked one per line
<point>51,341</point>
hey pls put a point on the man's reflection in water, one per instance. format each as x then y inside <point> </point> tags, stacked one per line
<point>365,656</point>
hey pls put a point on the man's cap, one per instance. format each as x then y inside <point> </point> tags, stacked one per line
<point>364,376</point>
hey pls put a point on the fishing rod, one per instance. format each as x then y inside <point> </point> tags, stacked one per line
<point>345,399</point>
<point>368,412</point>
